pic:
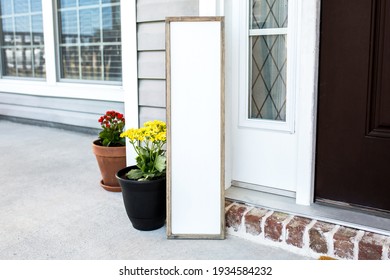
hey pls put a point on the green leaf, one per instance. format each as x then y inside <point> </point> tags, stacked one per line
<point>122,141</point>
<point>139,160</point>
<point>159,164</point>
<point>134,174</point>
<point>106,142</point>
<point>143,152</point>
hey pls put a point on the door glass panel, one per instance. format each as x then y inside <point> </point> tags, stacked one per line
<point>268,60</point>
<point>269,14</point>
<point>268,89</point>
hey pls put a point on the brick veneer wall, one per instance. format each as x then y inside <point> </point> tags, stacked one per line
<point>304,236</point>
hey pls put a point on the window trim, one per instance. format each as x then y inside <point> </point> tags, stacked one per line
<point>59,45</point>
<point>52,86</point>
<point>244,63</point>
<point>30,46</point>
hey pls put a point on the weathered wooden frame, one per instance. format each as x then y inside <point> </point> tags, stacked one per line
<point>195,190</point>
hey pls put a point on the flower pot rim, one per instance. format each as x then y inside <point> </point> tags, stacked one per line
<point>105,151</point>
<point>97,142</point>
<point>120,173</point>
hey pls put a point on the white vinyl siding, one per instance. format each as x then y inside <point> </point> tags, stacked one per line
<point>151,16</point>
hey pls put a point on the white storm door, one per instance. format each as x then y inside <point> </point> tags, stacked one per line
<point>264,143</point>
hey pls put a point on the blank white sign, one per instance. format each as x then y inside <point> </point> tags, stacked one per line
<point>195,113</point>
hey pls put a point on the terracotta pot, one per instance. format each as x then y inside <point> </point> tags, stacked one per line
<point>110,160</point>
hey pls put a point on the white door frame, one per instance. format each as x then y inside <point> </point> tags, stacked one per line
<point>130,69</point>
<point>308,68</point>
<point>307,81</point>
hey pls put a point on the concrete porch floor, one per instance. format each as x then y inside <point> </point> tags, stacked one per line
<point>52,207</point>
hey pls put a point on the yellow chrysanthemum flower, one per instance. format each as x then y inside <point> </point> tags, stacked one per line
<point>149,140</point>
<point>152,131</point>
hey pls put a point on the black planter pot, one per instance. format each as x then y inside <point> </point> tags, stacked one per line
<point>145,201</point>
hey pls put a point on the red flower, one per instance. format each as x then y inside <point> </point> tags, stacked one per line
<point>112,124</point>
<point>110,118</point>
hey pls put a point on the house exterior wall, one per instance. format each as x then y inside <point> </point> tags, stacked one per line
<point>151,16</point>
<point>82,111</point>
<point>68,111</point>
<point>77,103</point>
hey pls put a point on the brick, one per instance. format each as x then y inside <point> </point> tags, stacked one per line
<point>295,230</point>
<point>388,245</point>
<point>370,246</point>
<point>317,235</point>
<point>274,226</point>
<point>343,242</point>
<point>253,220</point>
<point>234,216</point>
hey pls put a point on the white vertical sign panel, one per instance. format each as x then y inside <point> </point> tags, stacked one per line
<point>195,114</point>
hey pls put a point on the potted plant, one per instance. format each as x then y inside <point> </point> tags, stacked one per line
<point>144,185</point>
<point>110,149</point>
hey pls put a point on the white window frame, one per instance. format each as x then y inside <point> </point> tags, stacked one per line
<point>52,86</point>
<point>245,62</point>
<point>58,41</point>
<point>30,14</point>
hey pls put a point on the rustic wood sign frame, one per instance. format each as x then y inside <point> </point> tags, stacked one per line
<point>196,133</point>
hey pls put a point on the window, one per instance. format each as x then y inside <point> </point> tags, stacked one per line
<point>68,48</point>
<point>268,65</point>
<point>22,40</point>
<point>90,40</point>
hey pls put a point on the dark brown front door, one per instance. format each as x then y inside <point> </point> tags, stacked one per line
<point>353,132</point>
